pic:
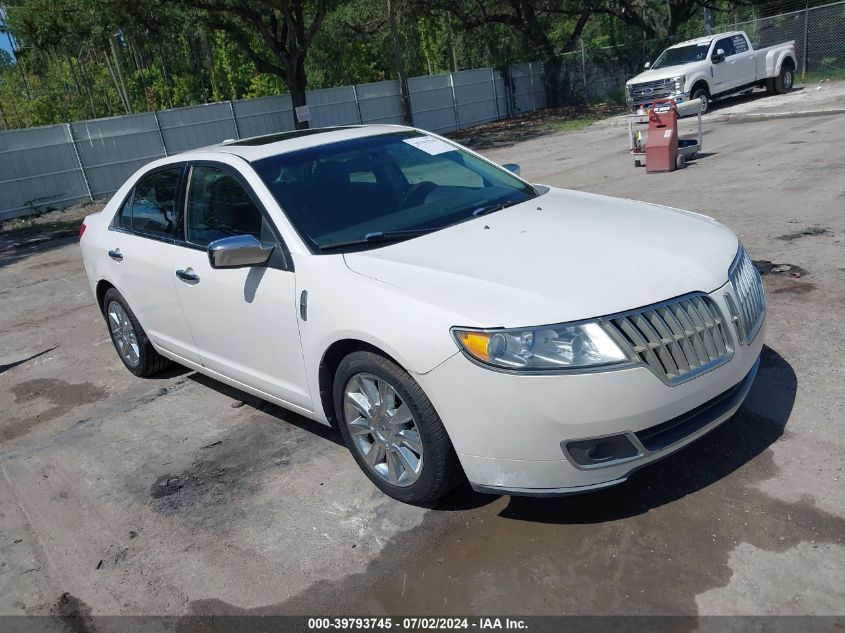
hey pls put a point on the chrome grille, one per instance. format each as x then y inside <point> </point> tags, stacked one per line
<point>749,291</point>
<point>677,339</point>
<point>649,90</point>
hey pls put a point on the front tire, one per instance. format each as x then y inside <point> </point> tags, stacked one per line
<point>129,339</point>
<point>392,430</point>
<point>702,95</point>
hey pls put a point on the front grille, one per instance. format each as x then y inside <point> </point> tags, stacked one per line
<point>749,291</point>
<point>649,90</point>
<point>677,339</point>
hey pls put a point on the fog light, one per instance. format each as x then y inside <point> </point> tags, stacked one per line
<point>600,451</point>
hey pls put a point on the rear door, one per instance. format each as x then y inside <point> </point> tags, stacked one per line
<point>244,320</point>
<point>141,249</point>
<point>745,64</point>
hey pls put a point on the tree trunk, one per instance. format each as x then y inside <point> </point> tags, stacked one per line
<point>297,84</point>
<point>399,65</point>
<point>87,81</point>
<point>117,74</point>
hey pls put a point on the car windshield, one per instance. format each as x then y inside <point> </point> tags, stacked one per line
<point>682,55</point>
<point>364,192</point>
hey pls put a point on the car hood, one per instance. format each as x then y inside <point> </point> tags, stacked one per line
<point>563,256</point>
<point>669,72</point>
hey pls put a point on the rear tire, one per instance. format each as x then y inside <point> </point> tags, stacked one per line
<point>130,341</point>
<point>702,95</point>
<point>770,87</point>
<point>785,80</point>
<point>394,396</point>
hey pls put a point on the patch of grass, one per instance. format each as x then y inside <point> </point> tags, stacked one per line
<point>822,75</point>
<point>52,220</point>
<point>540,123</point>
<point>569,125</point>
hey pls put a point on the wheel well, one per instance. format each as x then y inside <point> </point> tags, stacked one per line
<point>328,366</point>
<point>102,288</point>
<point>700,84</point>
<point>789,63</point>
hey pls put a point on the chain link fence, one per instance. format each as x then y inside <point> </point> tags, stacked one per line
<point>57,165</point>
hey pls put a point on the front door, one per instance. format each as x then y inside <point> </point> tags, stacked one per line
<point>726,74</point>
<point>244,320</point>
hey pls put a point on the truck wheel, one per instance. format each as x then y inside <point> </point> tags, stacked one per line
<point>784,81</point>
<point>770,87</point>
<point>680,162</point>
<point>703,96</point>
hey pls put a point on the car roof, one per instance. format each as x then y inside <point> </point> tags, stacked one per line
<point>258,147</point>
<point>705,39</point>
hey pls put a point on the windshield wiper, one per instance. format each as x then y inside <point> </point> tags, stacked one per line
<point>493,207</point>
<point>377,236</point>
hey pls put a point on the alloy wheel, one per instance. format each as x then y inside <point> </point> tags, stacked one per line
<point>383,429</point>
<point>123,334</point>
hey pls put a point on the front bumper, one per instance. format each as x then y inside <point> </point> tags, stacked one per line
<point>510,431</point>
<point>638,104</point>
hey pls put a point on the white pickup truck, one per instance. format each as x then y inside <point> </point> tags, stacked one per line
<point>712,67</point>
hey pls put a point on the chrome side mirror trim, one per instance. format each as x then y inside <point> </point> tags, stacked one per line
<point>238,251</point>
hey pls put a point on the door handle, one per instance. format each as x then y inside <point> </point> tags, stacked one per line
<point>115,255</point>
<point>188,276</point>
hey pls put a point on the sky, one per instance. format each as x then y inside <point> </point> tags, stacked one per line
<point>4,37</point>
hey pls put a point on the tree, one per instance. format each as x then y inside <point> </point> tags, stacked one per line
<point>655,19</point>
<point>532,19</point>
<point>275,34</point>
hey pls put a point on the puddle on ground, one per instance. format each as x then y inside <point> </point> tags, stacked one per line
<point>648,546</point>
<point>766,267</point>
<point>62,395</point>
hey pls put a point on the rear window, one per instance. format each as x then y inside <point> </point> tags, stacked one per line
<point>151,207</point>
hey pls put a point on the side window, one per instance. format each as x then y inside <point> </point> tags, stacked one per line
<point>124,216</point>
<point>740,45</point>
<point>154,203</point>
<point>218,206</point>
<point>726,44</point>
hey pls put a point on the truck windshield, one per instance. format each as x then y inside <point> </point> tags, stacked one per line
<point>365,192</point>
<point>682,55</point>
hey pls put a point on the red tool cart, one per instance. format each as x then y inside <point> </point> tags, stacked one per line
<point>638,131</point>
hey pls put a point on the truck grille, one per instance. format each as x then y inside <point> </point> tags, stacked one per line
<point>749,291</point>
<point>677,339</point>
<point>650,90</point>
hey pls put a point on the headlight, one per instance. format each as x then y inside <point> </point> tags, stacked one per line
<point>680,82</point>
<point>544,348</point>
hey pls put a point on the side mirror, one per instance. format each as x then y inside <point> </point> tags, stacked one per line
<point>647,65</point>
<point>512,168</point>
<point>718,56</point>
<point>238,251</point>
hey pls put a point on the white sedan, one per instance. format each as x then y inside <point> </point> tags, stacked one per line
<point>451,319</point>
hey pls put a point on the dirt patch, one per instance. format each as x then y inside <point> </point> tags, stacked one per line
<point>63,396</point>
<point>74,614</point>
<point>795,288</point>
<point>228,469</point>
<point>810,231</point>
<point>765,267</point>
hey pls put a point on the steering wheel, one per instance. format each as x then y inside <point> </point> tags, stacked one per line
<point>416,194</point>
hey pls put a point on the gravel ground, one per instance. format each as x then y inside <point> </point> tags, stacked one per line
<point>127,496</point>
